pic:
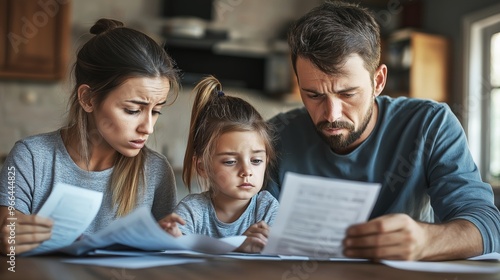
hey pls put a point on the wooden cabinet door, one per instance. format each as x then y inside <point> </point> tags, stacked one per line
<point>3,32</point>
<point>418,65</point>
<point>37,39</point>
<point>429,69</point>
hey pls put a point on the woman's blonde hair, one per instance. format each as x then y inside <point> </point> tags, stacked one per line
<point>215,113</point>
<point>105,62</point>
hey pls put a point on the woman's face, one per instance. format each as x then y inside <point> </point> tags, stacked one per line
<point>126,117</point>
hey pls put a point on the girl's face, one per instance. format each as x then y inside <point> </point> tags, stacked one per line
<point>239,165</point>
<point>125,119</point>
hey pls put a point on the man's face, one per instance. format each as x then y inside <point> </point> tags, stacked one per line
<point>342,105</point>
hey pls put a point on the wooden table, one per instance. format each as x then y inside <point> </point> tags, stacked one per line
<point>51,267</point>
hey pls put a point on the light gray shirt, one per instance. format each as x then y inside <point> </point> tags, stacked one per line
<point>41,161</point>
<point>199,213</point>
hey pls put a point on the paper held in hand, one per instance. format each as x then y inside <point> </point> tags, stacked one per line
<point>73,209</point>
<point>314,214</point>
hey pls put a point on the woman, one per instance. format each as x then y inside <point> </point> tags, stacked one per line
<point>122,82</point>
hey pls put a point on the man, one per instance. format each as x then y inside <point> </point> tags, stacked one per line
<point>433,204</point>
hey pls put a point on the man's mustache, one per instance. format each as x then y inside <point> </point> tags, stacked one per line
<point>334,125</point>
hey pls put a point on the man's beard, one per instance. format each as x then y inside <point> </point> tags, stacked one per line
<point>339,143</point>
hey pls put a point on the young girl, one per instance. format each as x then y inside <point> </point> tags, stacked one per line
<point>229,147</point>
<point>122,80</point>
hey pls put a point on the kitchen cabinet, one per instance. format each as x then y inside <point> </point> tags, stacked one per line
<point>418,65</point>
<point>36,39</point>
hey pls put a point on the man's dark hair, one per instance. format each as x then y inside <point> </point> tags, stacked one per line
<point>331,32</point>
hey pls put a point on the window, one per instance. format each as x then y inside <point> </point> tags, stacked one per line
<point>482,90</point>
<point>494,171</point>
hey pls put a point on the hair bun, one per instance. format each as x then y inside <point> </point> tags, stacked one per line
<point>104,25</point>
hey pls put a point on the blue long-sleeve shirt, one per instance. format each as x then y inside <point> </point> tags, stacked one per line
<point>418,151</point>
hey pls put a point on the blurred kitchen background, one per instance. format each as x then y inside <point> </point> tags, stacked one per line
<point>446,50</point>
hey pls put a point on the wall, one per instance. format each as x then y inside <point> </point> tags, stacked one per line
<point>258,18</point>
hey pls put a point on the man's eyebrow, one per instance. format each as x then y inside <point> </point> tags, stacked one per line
<point>312,91</point>
<point>340,91</point>
<point>347,89</point>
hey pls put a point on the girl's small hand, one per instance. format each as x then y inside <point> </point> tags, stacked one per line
<point>29,231</point>
<point>256,238</point>
<point>169,224</point>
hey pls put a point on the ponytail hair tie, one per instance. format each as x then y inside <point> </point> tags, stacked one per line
<point>220,93</point>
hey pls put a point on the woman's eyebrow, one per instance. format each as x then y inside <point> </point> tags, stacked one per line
<point>140,102</point>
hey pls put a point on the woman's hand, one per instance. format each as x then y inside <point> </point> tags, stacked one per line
<point>256,238</point>
<point>169,224</point>
<point>23,233</point>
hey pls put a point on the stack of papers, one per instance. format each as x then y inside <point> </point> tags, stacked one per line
<point>138,229</point>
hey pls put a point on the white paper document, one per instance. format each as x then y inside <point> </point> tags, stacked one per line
<point>140,230</point>
<point>314,214</point>
<point>486,257</point>
<point>445,267</point>
<point>134,262</point>
<point>72,209</point>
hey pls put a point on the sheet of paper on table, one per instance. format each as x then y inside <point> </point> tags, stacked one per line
<point>446,267</point>
<point>314,214</point>
<point>137,262</point>
<point>490,263</point>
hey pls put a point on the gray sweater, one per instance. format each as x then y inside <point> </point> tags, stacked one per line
<point>41,161</point>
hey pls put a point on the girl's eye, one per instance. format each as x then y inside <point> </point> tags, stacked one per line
<point>257,161</point>
<point>131,112</point>
<point>230,162</point>
<point>156,113</point>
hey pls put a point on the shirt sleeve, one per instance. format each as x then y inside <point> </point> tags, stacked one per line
<point>188,213</point>
<point>17,179</point>
<point>455,185</point>
<point>267,207</point>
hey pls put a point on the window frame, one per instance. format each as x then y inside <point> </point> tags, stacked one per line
<point>486,148</point>
<point>478,29</point>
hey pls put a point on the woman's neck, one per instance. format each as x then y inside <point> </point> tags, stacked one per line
<point>101,158</point>
<point>228,209</point>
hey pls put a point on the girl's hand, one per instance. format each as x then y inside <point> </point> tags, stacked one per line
<point>256,238</point>
<point>169,224</point>
<point>23,233</point>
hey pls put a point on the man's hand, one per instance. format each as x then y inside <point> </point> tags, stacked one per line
<point>256,238</point>
<point>169,224</point>
<point>24,233</point>
<point>399,237</point>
